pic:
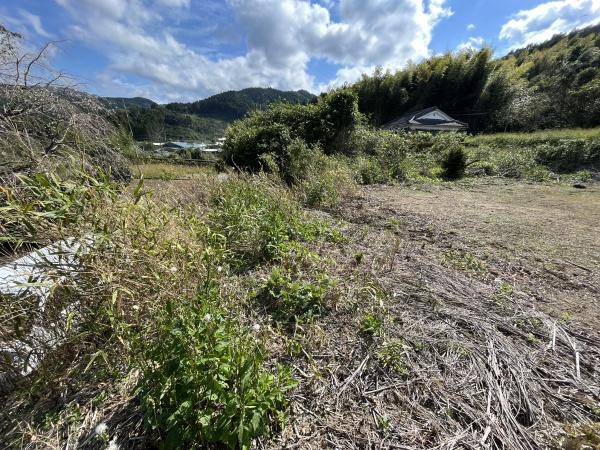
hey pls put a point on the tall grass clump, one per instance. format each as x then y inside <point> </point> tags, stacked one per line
<point>256,216</point>
<point>454,163</point>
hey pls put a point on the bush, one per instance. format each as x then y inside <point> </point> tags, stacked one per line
<point>329,179</point>
<point>454,163</point>
<point>203,381</point>
<point>326,124</point>
<point>562,156</point>
<point>370,171</point>
<point>246,143</point>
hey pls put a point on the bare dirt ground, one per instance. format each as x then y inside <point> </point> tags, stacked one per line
<point>543,239</point>
<point>484,299</point>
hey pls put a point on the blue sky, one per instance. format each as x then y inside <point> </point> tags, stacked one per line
<point>180,50</point>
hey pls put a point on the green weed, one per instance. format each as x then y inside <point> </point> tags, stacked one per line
<point>203,380</point>
<point>391,356</point>
<point>465,262</point>
<point>293,299</point>
<point>372,324</point>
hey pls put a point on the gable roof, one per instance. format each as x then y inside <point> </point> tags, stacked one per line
<point>427,119</point>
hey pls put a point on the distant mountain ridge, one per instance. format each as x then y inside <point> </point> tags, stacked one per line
<point>232,105</point>
<point>125,102</point>
<point>200,120</point>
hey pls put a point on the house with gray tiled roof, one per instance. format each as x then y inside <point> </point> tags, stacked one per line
<point>430,119</point>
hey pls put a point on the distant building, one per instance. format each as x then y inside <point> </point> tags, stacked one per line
<point>180,145</point>
<point>430,119</point>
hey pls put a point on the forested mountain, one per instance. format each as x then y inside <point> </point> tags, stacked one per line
<point>233,105</point>
<point>201,120</point>
<point>554,84</point>
<point>124,102</point>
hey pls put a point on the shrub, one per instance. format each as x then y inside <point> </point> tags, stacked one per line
<point>326,124</point>
<point>203,380</point>
<point>562,156</point>
<point>369,171</point>
<point>454,163</point>
<point>247,142</point>
<point>368,141</point>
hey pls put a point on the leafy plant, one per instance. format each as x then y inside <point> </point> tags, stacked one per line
<point>391,356</point>
<point>466,262</point>
<point>290,298</point>
<point>372,324</point>
<point>203,380</point>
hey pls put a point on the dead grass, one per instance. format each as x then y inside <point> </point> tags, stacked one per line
<point>484,361</point>
<point>167,172</point>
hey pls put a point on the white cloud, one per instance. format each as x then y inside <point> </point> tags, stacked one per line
<point>471,27</point>
<point>36,23</point>
<point>282,36</point>
<point>538,24</point>
<point>473,43</point>
<point>175,3</point>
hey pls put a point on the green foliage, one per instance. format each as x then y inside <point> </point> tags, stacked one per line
<point>391,355</point>
<point>372,324</point>
<point>203,380</point>
<point>561,80</point>
<point>326,124</point>
<point>317,179</point>
<point>454,163</point>
<point>293,299</point>
<point>256,217</point>
<point>536,155</point>
<point>39,206</point>
<point>465,262</point>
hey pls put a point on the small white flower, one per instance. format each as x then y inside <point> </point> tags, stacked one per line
<point>136,307</point>
<point>112,445</point>
<point>101,428</point>
<point>256,328</point>
<point>173,269</point>
<point>207,318</point>
<point>219,269</point>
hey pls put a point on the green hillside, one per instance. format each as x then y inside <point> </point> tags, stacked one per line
<point>203,120</point>
<point>232,105</point>
<point>124,102</point>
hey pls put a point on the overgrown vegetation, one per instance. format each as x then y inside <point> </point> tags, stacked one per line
<point>553,84</point>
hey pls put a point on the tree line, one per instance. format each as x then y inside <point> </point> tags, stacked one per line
<point>550,85</point>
